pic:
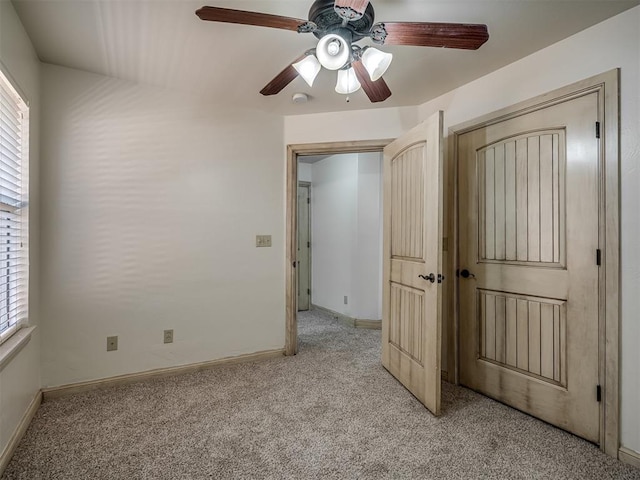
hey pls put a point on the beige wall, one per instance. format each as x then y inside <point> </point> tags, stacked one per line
<point>374,124</point>
<point>151,204</point>
<point>20,378</point>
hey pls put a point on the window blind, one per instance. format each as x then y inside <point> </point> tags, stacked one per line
<point>14,216</point>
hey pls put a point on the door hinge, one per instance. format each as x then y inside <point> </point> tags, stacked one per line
<point>598,393</point>
<point>597,129</point>
<point>308,244</point>
<point>308,291</point>
<point>309,198</point>
<point>598,257</point>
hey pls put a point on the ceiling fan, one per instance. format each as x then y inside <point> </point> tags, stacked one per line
<point>339,25</point>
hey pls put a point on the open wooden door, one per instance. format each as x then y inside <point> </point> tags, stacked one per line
<point>412,255</point>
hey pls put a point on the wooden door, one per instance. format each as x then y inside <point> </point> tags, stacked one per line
<point>528,225</point>
<point>412,245</point>
<point>304,246</point>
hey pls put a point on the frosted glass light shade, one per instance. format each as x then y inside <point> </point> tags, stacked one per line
<point>333,51</point>
<point>308,68</point>
<point>347,81</point>
<point>376,62</point>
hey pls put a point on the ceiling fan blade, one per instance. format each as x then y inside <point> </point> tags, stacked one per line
<point>356,5</point>
<point>424,34</point>
<point>229,15</point>
<point>377,91</point>
<point>284,78</point>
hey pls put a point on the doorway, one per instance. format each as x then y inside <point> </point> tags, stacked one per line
<point>293,152</point>
<point>339,245</point>
<point>412,307</point>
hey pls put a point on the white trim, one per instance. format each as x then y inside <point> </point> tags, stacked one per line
<point>14,84</point>
<point>19,432</point>
<point>14,345</point>
<point>73,388</point>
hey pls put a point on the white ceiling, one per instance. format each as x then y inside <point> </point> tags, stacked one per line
<point>163,43</point>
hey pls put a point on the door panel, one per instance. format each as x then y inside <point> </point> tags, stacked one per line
<point>411,325</point>
<point>521,193</point>
<point>528,212</point>
<point>523,333</point>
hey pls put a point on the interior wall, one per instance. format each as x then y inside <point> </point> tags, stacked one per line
<point>614,43</point>
<point>20,378</point>
<point>304,172</point>
<point>334,201</point>
<point>345,223</point>
<point>366,277</point>
<point>151,204</point>
<point>374,124</point>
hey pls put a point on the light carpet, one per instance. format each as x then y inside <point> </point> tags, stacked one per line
<point>331,412</point>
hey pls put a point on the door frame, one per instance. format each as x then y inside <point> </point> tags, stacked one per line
<point>291,185</point>
<point>606,85</point>
<point>307,185</point>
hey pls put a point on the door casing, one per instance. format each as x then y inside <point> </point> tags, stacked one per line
<point>606,85</point>
<point>306,185</point>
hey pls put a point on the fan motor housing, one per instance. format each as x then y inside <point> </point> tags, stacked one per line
<point>323,14</point>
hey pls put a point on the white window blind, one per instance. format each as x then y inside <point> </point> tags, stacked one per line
<point>14,210</point>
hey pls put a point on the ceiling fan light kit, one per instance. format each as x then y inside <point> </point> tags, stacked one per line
<point>334,50</point>
<point>376,62</point>
<point>347,81</point>
<point>339,25</point>
<point>308,68</point>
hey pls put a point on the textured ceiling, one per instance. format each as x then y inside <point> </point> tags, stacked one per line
<point>163,43</point>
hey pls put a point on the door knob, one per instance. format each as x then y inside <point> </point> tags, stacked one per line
<point>431,277</point>
<point>464,273</point>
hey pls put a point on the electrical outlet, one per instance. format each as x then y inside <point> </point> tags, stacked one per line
<point>112,343</point>
<point>346,300</point>
<point>263,240</point>
<point>168,336</point>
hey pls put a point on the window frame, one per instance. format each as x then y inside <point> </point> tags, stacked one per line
<point>19,206</point>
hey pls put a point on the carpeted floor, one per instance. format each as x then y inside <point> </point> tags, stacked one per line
<point>331,412</point>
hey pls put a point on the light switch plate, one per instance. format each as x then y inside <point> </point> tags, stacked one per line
<point>263,240</point>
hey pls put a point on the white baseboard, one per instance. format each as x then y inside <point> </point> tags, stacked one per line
<point>73,388</point>
<point>629,456</point>
<point>19,432</point>
<point>350,321</point>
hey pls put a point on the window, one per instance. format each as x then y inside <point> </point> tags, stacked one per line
<point>14,211</point>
